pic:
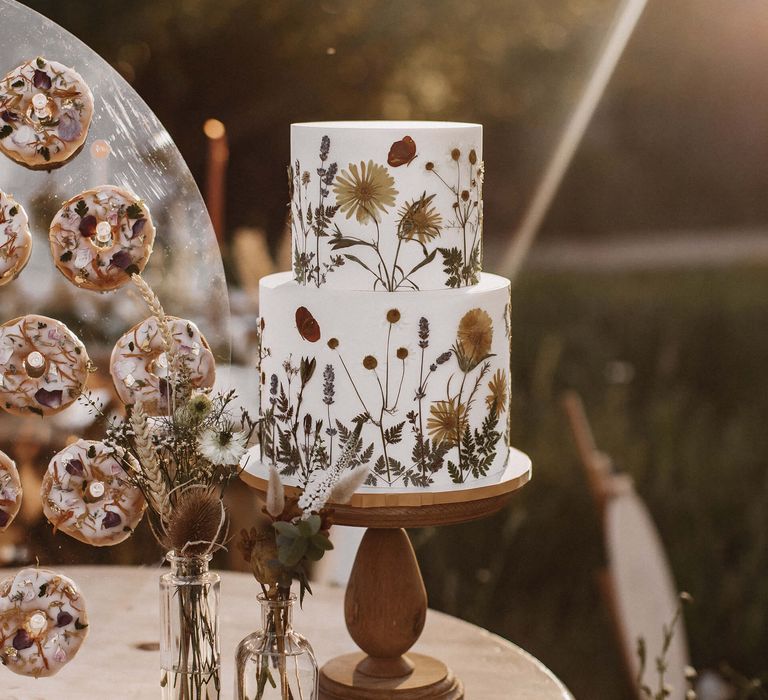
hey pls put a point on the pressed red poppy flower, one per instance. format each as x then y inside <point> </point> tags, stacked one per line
<point>308,327</point>
<point>402,152</point>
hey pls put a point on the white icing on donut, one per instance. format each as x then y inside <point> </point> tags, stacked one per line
<point>100,237</point>
<point>139,364</point>
<point>15,239</point>
<point>25,388</point>
<point>87,494</point>
<point>43,622</point>
<point>45,113</point>
<point>10,491</point>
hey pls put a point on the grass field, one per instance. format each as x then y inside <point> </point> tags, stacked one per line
<point>672,368</point>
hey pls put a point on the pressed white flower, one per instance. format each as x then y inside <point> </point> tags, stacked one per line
<point>223,447</point>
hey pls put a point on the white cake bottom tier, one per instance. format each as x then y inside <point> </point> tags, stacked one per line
<point>415,384</point>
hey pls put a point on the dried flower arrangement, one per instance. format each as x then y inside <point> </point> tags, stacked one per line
<point>282,547</point>
<point>182,460</point>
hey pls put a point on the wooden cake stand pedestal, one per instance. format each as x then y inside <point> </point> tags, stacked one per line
<point>385,605</point>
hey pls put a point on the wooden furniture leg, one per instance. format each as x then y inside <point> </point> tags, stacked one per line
<point>385,608</point>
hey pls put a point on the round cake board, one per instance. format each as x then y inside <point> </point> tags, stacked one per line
<point>396,508</point>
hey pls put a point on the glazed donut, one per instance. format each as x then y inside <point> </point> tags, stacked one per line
<point>101,237</point>
<point>43,622</point>
<point>139,366</point>
<point>43,366</point>
<point>45,112</point>
<point>15,239</point>
<point>87,495</point>
<point>10,491</point>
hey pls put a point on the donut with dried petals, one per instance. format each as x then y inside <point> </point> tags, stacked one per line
<point>87,494</point>
<point>43,366</point>
<point>10,491</point>
<point>100,237</point>
<point>140,363</point>
<point>15,239</point>
<point>43,622</point>
<point>45,113</point>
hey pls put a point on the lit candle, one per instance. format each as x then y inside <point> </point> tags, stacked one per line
<point>103,232</point>
<point>34,364</point>
<point>40,105</point>
<point>37,623</point>
<point>35,360</point>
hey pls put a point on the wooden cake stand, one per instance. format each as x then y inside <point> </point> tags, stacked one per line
<point>385,605</point>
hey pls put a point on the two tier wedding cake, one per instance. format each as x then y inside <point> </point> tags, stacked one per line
<point>386,345</point>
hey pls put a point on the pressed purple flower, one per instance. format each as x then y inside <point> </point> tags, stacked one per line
<point>273,385</point>
<point>443,358</point>
<point>70,128</point>
<point>41,80</point>
<point>138,227</point>
<point>110,520</point>
<point>8,117</point>
<point>4,518</point>
<point>49,399</point>
<point>75,467</point>
<point>325,147</point>
<point>63,619</point>
<point>87,226</point>
<point>22,640</point>
<point>121,259</point>
<point>423,332</point>
<point>328,385</point>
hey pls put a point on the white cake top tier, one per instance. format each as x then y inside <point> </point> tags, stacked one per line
<point>386,205</point>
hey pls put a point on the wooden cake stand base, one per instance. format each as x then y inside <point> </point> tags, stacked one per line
<point>385,605</point>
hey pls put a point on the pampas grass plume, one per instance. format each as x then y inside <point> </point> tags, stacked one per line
<point>275,494</point>
<point>345,488</point>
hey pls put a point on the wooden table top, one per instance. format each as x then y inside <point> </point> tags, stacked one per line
<point>123,610</point>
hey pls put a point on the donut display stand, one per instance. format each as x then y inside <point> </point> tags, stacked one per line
<point>99,192</point>
<point>43,622</point>
<point>385,604</point>
<point>87,495</point>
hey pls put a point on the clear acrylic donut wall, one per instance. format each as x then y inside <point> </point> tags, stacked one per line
<point>127,147</point>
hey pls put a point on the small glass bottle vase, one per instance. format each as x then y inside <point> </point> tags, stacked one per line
<point>190,657</point>
<point>275,663</point>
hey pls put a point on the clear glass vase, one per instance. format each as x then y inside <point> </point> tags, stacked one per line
<point>190,657</point>
<point>276,663</point>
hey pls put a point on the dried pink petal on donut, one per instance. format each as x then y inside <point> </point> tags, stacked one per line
<point>41,80</point>
<point>87,226</point>
<point>49,399</point>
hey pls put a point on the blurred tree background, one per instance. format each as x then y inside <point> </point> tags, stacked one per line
<point>671,363</point>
